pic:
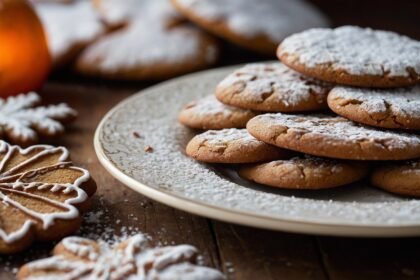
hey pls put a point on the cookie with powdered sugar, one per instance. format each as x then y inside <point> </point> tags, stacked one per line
<point>354,56</point>
<point>209,113</point>
<point>256,26</point>
<point>272,87</point>
<point>231,146</point>
<point>305,172</point>
<point>156,43</point>
<point>333,137</point>
<point>133,258</point>
<point>387,108</point>
<point>401,178</point>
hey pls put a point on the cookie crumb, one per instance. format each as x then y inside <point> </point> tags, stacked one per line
<point>136,134</point>
<point>148,149</point>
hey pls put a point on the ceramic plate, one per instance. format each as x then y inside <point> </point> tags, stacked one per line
<point>167,175</point>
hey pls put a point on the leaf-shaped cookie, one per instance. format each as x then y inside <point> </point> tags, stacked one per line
<point>134,258</point>
<point>41,195</point>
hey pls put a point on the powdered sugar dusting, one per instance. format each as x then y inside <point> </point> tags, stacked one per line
<point>404,102</point>
<point>274,19</point>
<point>152,36</point>
<point>170,172</point>
<point>210,106</point>
<point>358,51</point>
<point>227,136</point>
<point>278,81</point>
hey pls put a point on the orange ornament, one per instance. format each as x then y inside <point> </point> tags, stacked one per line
<point>24,57</point>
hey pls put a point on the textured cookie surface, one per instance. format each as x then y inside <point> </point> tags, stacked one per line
<point>272,87</point>
<point>402,178</point>
<point>231,146</point>
<point>334,137</point>
<point>388,108</point>
<point>260,27</point>
<point>304,173</point>
<point>134,258</point>
<point>66,38</point>
<point>157,43</point>
<point>41,195</point>
<point>209,113</point>
<point>354,56</point>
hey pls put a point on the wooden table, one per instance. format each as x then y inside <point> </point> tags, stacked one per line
<point>240,252</point>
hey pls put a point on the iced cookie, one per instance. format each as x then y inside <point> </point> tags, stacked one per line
<point>41,195</point>
<point>401,178</point>
<point>21,120</point>
<point>354,56</point>
<point>209,113</point>
<point>272,87</point>
<point>157,43</point>
<point>231,146</point>
<point>70,27</point>
<point>333,137</point>
<point>305,173</point>
<point>257,26</point>
<point>133,258</point>
<point>387,108</point>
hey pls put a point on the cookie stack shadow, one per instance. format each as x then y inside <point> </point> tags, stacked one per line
<point>341,105</point>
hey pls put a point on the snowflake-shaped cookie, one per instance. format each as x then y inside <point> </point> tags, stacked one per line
<point>134,258</point>
<point>21,121</point>
<point>41,195</point>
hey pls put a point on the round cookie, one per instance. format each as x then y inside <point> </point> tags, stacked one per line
<point>209,113</point>
<point>387,108</point>
<point>272,87</point>
<point>156,44</point>
<point>304,173</point>
<point>231,146</point>
<point>333,137</point>
<point>256,26</point>
<point>65,38</point>
<point>354,56</point>
<point>402,178</point>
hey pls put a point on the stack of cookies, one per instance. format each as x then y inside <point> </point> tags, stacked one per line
<point>341,105</point>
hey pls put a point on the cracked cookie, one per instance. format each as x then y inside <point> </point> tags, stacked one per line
<point>401,178</point>
<point>334,137</point>
<point>387,108</point>
<point>231,146</point>
<point>305,173</point>
<point>354,56</point>
<point>209,113</point>
<point>272,87</point>
<point>256,27</point>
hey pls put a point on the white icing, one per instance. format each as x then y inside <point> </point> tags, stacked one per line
<point>404,102</point>
<point>274,19</point>
<point>290,88</point>
<point>135,259</point>
<point>358,51</point>
<point>20,121</point>
<point>147,40</point>
<point>340,129</point>
<point>69,25</point>
<point>20,187</point>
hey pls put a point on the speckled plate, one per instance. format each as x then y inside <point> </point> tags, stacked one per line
<point>165,174</point>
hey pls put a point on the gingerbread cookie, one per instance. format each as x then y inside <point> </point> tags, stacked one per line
<point>66,38</point>
<point>209,113</point>
<point>305,173</point>
<point>21,121</point>
<point>231,146</point>
<point>334,137</point>
<point>272,87</point>
<point>387,108</point>
<point>41,195</point>
<point>260,27</point>
<point>401,178</point>
<point>354,56</point>
<point>157,43</point>
<point>134,258</point>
